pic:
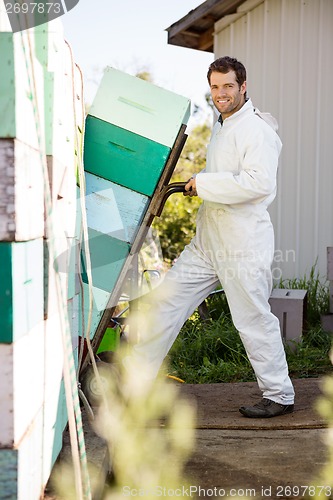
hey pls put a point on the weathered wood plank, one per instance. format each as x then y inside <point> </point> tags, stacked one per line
<point>330,263</point>
<point>21,385</point>
<point>21,190</point>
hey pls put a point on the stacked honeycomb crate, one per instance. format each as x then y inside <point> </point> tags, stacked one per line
<point>130,131</point>
<point>37,129</point>
<point>21,250</point>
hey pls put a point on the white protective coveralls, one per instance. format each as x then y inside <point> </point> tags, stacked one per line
<point>233,245</point>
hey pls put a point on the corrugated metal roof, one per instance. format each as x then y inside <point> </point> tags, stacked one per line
<point>195,30</point>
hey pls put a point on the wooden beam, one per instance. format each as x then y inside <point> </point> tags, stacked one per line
<point>199,41</point>
<point>227,6</point>
<point>206,41</point>
<point>195,14</point>
<point>193,34</point>
<point>184,40</point>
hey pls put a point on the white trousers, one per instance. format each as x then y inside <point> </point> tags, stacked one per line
<point>237,251</point>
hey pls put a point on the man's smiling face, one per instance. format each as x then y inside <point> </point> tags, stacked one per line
<point>227,95</point>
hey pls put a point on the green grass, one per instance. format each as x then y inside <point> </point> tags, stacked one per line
<point>211,351</point>
<point>311,357</point>
<point>207,352</point>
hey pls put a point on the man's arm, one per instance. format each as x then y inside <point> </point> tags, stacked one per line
<point>257,178</point>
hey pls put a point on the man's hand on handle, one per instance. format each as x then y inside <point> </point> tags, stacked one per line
<point>191,188</point>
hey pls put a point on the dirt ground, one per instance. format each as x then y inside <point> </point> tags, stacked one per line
<point>255,458</point>
<point>217,406</point>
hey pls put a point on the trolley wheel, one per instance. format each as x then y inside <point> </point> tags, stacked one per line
<point>91,387</point>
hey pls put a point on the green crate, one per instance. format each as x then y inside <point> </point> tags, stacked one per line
<point>22,288</point>
<point>110,341</point>
<point>122,156</point>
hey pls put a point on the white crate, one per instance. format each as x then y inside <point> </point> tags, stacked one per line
<point>21,385</point>
<point>21,467</point>
<point>289,306</point>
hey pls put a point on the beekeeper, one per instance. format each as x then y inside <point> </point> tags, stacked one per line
<point>233,245</point>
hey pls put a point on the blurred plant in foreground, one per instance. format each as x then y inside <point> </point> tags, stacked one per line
<point>149,430</point>
<point>325,408</point>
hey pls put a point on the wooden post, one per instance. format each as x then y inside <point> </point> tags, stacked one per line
<point>330,275</point>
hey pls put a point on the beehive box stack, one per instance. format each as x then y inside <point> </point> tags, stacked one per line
<point>130,131</point>
<point>37,133</point>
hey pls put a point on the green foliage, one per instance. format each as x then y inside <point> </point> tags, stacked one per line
<point>176,226</point>
<point>143,455</point>
<point>144,74</point>
<point>310,357</point>
<point>210,351</point>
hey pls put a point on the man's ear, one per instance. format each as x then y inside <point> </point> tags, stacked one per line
<point>243,88</point>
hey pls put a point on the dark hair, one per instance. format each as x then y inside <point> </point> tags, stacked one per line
<point>226,64</point>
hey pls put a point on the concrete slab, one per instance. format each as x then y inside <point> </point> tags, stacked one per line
<point>255,463</point>
<point>217,406</point>
<point>274,458</point>
<point>255,458</point>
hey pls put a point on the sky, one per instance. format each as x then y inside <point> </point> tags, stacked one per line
<point>130,36</point>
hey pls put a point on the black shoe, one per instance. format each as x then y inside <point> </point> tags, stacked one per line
<point>266,409</point>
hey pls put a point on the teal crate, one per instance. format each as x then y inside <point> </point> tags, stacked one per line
<point>113,209</point>
<point>123,157</point>
<point>99,302</point>
<point>22,288</point>
<point>140,107</point>
<point>108,256</point>
<point>9,474</point>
